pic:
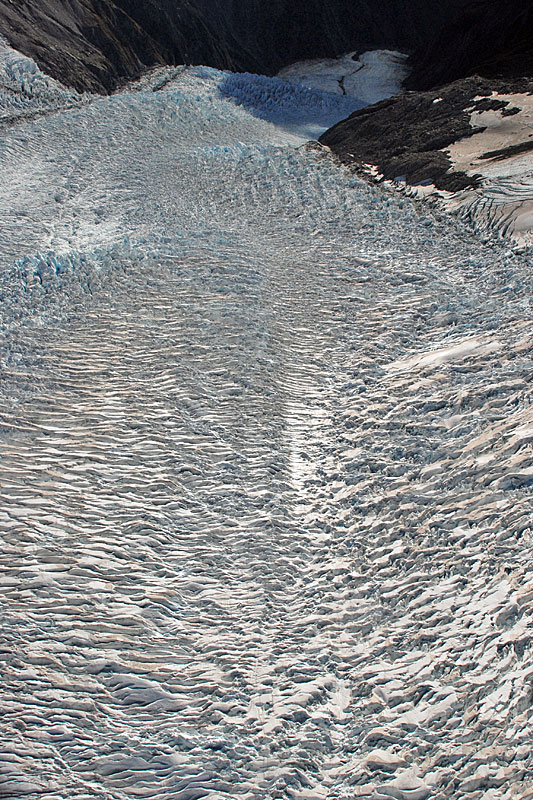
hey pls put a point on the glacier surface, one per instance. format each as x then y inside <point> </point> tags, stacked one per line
<point>370,77</point>
<point>265,447</point>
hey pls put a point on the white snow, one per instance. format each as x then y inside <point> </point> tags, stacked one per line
<point>370,77</point>
<point>440,356</point>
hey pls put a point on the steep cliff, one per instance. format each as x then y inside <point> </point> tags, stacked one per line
<point>486,38</point>
<point>87,44</point>
<point>94,44</point>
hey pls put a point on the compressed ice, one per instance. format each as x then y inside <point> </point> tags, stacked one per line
<point>266,466</point>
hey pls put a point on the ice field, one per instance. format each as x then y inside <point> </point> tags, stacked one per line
<point>265,453</point>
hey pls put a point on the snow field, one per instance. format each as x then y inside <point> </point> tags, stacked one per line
<point>369,77</point>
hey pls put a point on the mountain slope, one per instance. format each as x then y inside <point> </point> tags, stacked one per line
<point>94,44</point>
<point>486,38</point>
<point>406,136</point>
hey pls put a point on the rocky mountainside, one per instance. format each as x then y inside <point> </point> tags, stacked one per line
<point>94,44</point>
<point>486,38</point>
<point>406,137</point>
<point>86,44</point>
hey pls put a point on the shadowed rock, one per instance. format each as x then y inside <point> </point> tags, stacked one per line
<point>485,38</point>
<point>95,44</point>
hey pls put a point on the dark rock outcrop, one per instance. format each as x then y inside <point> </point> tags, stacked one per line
<point>487,38</point>
<point>94,44</point>
<point>404,136</point>
<point>87,44</point>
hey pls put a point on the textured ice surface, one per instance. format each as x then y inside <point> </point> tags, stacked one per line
<point>293,107</point>
<point>25,91</point>
<point>266,467</point>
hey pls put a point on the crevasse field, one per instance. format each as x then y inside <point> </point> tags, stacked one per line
<point>266,465</point>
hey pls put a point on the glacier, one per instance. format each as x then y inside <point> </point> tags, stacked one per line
<point>266,456</point>
<point>370,77</point>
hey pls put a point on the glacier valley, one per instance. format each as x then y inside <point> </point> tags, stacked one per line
<point>266,460</point>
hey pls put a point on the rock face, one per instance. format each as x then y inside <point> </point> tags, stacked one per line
<point>87,44</point>
<point>94,44</point>
<point>406,136</point>
<point>485,38</point>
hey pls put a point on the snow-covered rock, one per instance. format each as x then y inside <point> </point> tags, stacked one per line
<point>468,146</point>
